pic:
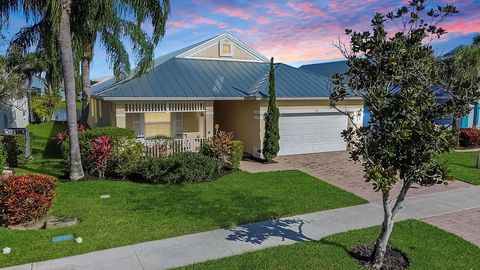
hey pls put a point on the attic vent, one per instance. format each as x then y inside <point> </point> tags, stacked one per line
<point>226,48</point>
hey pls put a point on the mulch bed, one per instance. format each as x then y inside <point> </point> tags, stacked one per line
<point>394,258</point>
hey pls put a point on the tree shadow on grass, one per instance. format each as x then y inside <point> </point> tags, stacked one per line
<point>257,233</point>
<point>52,148</point>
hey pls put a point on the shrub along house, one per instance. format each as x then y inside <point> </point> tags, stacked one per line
<point>223,81</point>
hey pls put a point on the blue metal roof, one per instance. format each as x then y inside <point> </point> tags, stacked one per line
<point>160,60</point>
<point>182,78</point>
<point>327,69</point>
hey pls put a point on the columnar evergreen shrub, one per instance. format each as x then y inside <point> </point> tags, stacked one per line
<point>271,138</point>
<point>25,198</point>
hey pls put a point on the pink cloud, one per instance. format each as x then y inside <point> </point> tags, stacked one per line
<point>275,10</point>
<point>307,8</point>
<point>233,12</point>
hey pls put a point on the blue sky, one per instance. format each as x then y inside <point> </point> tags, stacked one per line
<point>293,31</point>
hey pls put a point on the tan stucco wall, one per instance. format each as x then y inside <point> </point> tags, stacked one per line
<point>239,117</point>
<point>195,124</point>
<point>246,118</point>
<point>214,52</point>
<point>102,113</point>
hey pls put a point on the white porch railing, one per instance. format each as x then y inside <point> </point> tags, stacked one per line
<point>167,147</point>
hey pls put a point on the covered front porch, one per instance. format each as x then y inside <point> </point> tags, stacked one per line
<point>187,120</point>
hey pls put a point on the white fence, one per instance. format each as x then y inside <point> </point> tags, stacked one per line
<point>166,147</point>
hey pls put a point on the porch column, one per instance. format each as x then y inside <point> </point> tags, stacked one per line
<point>209,125</point>
<point>120,116</point>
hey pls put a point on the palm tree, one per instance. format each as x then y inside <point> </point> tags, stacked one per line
<point>105,23</point>
<point>57,14</point>
<point>66,56</point>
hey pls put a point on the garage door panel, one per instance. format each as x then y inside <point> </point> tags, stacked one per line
<point>311,133</point>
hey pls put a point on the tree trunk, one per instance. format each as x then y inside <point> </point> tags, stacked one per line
<point>65,43</point>
<point>86,90</point>
<point>387,226</point>
<point>455,129</point>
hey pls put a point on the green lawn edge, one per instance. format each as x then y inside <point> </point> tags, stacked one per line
<point>427,247</point>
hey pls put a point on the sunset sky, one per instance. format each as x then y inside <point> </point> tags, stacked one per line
<point>293,31</point>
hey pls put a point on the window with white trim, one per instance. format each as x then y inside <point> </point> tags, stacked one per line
<point>226,48</point>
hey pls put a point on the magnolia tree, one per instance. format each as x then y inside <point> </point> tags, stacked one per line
<point>394,73</point>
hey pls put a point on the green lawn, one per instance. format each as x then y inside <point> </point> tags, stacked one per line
<point>46,155</point>
<point>462,166</point>
<point>427,247</point>
<point>141,212</point>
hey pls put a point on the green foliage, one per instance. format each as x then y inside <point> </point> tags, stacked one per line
<point>126,156</point>
<point>394,73</point>
<point>461,75</point>
<point>3,157</point>
<point>237,154</point>
<point>15,148</point>
<point>12,83</point>
<point>402,139</point>
<point>271,138</point>
<point>177,169</point>
<point>476,40</point>
<point>85,139</point>
<point>44,106</point>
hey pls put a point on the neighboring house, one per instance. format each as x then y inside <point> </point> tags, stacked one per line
<point>16,115</point>
<point>223,81</point>
<point>328,69</point>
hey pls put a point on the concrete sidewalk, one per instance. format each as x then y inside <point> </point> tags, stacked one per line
<point>188,249</point>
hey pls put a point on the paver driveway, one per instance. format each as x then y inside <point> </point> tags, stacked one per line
<point>337,169</point>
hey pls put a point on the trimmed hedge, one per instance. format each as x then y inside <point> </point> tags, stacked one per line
<point>3,158</point>
<point>15,148</point>
<point>179,168</point>
<point>25,198</point>
<point>469,137</point>
<point>85,138</point>
<point>237,154</point>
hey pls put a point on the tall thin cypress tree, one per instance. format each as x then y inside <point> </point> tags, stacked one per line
<point>272,134</point>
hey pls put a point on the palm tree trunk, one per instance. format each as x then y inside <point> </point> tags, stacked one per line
<point>65,43</point>
<point>86,90</point>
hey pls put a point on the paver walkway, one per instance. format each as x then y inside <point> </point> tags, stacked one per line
<point>188,249</point>
<point>465,224</point>
<point>337,169</point>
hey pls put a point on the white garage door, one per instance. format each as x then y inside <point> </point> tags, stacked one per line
<point>311,133</point>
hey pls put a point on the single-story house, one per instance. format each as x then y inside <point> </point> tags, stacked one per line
<point>471,120</point>
<point>224,81</point>
<point>16,115</point>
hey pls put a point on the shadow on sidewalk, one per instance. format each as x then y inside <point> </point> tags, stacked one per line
<point>290,229</point>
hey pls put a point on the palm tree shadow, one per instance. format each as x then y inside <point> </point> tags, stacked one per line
<point>257,233</point>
